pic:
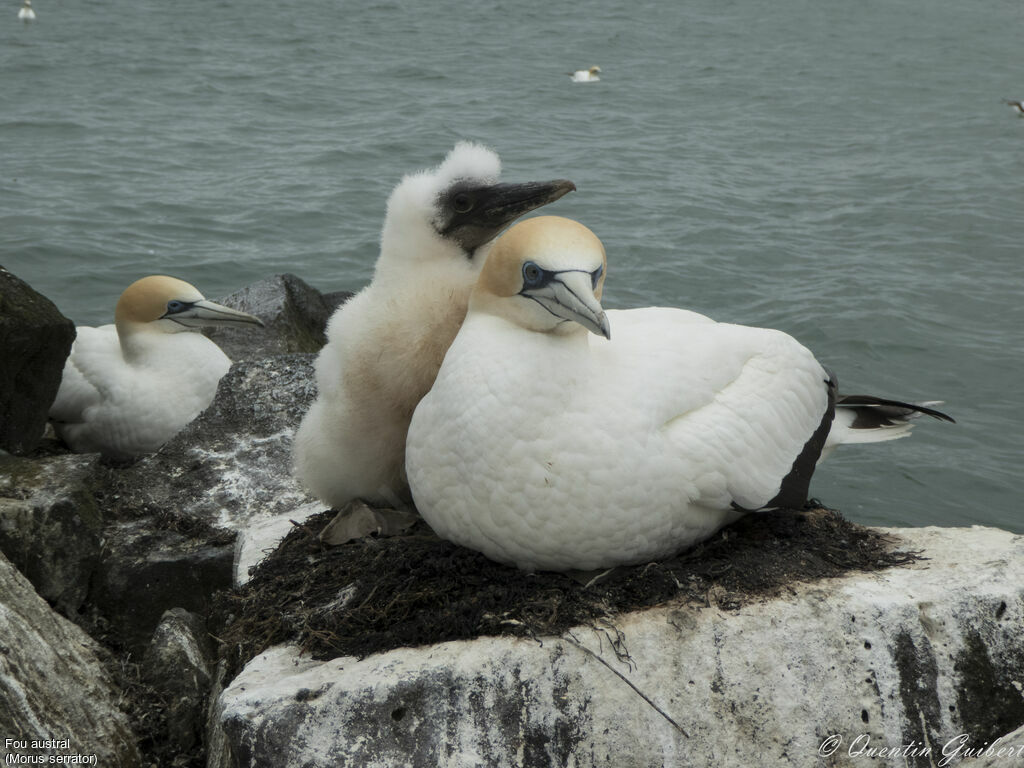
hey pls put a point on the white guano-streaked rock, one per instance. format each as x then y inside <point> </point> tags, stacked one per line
<point>901,662</point>
<point>262,536</point>
<point>56,698</point>
<point>232,465</point>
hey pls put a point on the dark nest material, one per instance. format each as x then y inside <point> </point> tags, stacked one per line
<point>376,594</point>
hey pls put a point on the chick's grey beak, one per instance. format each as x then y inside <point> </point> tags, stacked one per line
<point>503,203</point>
<point>204,314</point>
<point>497,205</point>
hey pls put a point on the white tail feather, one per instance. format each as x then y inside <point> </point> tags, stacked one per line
<point>842,433</point>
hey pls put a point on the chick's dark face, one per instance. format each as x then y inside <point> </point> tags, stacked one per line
<point>473,214</point>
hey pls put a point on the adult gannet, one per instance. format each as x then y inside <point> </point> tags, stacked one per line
<point>548,447</point>
<point>585,75</point>
<point>1018,106</point>
<point>384,345</point>
<point>26,13</point>
<point>129,387</point>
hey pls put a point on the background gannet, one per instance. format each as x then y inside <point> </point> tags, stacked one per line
<point>585,75</point>
<point>129,387</point>
<point>384,345</point>
<point>1018,106</point>
<point>548,447</point>
<point>25,13</point>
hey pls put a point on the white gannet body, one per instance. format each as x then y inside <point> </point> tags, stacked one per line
<point>384,345</point>
<point>25,13</point>
<point>585,75</point>
<point>548,447</point>
<point>129,387</point>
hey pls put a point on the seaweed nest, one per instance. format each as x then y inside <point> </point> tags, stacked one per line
<point>375,594</point>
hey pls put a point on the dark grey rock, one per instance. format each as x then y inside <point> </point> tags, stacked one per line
<point>145,572</point>
<point>1005,750</point>
<point>178,665</point>
<point>335,299</point>
<point>35,339</point>
<point>295,314</point>
<point>137,540</point>
<point>53,684</point>
<point>50,526</point>
<point>175,512</point>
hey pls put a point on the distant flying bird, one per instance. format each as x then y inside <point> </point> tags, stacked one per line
<point>130,387</point>
<point>384,345</point>
<point>26,13</point>
<point>560,436</point>
<point>1018,107</point>
<point>585,75</point>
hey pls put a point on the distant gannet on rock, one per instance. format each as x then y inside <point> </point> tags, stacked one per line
<point>26,13</point>
<point>1018,106</point>
<point>384,345</point>
<point>560,436</point>
<point>585,75</point>
<point>129,387</point>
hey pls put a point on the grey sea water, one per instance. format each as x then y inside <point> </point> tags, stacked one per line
<point>843,171</point>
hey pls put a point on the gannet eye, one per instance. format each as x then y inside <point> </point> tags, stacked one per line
<point>462,202</point>
<point>532,274</point>
<point>595,276</point>
<point>174,306</point>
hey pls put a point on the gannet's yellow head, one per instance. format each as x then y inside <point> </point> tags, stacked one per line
<point>545,274</point>
<point>167,305</point>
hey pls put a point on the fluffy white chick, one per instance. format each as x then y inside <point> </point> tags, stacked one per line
<point>384,345</point>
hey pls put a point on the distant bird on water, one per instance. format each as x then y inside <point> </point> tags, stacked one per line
<point>130,387</point>
<point>384,345</point>
<point>560,436</point>
<point>26,14</point>
<point>1018,107</point>
<point>585,75</point>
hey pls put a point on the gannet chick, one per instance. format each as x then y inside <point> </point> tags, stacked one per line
<point>1018,106</point>
<point>26,13</point>
<point>384,345</point>
<point>561,436</point>
<point>585,75</point>
<point>129,387</point>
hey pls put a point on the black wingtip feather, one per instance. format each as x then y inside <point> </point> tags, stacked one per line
<point>890,408</point>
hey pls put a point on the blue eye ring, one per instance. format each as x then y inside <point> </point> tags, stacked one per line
<point>533,275</point>
<point>174,306</point>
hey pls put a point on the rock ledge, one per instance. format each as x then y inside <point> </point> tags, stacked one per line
<point>906,656</point>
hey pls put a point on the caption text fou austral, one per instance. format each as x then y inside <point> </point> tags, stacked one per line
<point>26,752</point>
